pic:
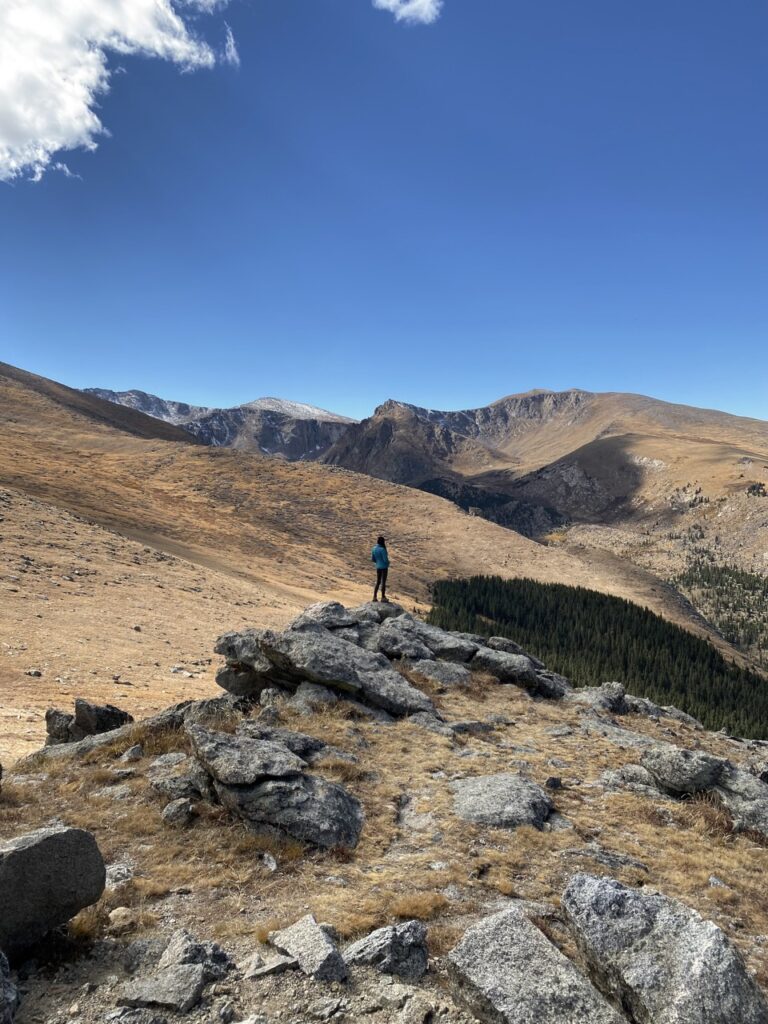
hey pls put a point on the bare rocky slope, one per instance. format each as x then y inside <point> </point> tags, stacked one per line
<point>271,426</point>
<point>383,819</point>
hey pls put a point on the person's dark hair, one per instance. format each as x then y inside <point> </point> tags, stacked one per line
<point>382,542</point>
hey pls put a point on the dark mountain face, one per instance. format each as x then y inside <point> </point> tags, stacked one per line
<point>272,426</point>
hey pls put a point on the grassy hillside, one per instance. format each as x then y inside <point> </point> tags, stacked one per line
<point>592,637</point>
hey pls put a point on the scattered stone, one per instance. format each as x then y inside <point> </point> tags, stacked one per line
<point>178,813</point>
<point>175,988</point>
<point>554,782</point>
<point>183,948</point>
<point>398,949</point>
<point>34,672</point>
<point>276,965</point>
<point>314,950</point>
<point>46,877</point>
<point>501,801</point>
<point>134,753</point>
<point>431,723</point>
<point>504,971</point>
<point>658,958</point>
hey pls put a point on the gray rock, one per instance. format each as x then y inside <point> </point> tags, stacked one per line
<point>46,877</point>
<point>88,720</point>
<point>275,965</point>
<point>58,726</point>
<point>446,673</point>
<point>305,807</point>
<point>364,634</point>
<point>303,746</point>
<point>504,971</point>
<point>179,777</point>
<point>643,706</point>
<point>508,668</point>
<point>503,643</point>
<point>399,638</point>
<point>330,614</point>
<point>134,753</point>
<point>659,959</point>
<point>444,645</point>
<point>242,681</point>
<point>632,777</point>
<point>315,951</point>
<point>746,798</point>
<point>244,649</point>
<point>238,760</point>
<point>432,724</point>
<point>178,813</point>
<point>318,656</point>
<point>9,996</point>
<point>680,771</point>
<point>317,697</point>
<point>175,988</point>
<point>501,801</point>
<point>610,697</point>
<point>184,948</point>
<point>376,611</point>
<point>398,949</point>
<point>551,685</point>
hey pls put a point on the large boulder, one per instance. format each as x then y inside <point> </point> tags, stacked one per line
<point>609,697</point>
<point>678,771</point>
<point>316,655</point>
<point>399,949</point>
<point>313,948</point>
<point>504,971</point>
<point>304,807</point>
<point>238,760</point>
<point>444,645</point>
<point>46,877</point>
<point>9,996</point>
<point>399,638</point>
<point>746,798</point>
<point>376,611</point>
<point>659,959</point>
<point>501,801</point>
<point>303,746</point>
<point>330,614</point>
<point>508,668</point>
<point>503,643</point>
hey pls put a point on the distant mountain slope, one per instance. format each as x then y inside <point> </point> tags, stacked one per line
<point>273,426</point>
<point>22,393</point>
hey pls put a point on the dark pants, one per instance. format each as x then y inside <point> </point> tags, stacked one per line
<point>381,581</point>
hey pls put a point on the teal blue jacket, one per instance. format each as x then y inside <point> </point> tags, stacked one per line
<point>380,557</point>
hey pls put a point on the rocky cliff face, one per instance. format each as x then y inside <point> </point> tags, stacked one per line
<point>178,413</point>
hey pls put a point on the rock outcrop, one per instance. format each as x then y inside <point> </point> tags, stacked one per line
<point>505,971</point>
<point>88,720</point>
<point>657,958</point>
<point>314,950</point>
<point>46,877</point>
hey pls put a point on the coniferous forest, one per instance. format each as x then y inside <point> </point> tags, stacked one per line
<point>592,638</point>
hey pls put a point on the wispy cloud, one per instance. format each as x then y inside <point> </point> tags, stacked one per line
<point>53,65</point>
<point>419,11</point>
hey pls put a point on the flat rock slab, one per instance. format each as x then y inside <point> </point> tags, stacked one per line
<point>312,947</point>
<point>175,988</point>
<point>398,949</point>
<point>304,807</point>
<point>501,801</point>
<point>505,971</point>
<point>46,877</point>
<point>238,760</point>
<point>659,958</point>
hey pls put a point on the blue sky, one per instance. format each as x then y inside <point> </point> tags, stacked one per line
<point>518,195</point>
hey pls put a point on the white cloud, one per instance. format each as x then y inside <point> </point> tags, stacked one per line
<point>423,11</point>
<point>53,65</point>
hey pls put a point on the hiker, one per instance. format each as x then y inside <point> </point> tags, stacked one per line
<point>380,558</point>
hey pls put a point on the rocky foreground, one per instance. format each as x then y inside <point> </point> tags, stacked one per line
<point>384,820</point>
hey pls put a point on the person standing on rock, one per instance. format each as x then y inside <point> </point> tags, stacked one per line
<point>380,558</point>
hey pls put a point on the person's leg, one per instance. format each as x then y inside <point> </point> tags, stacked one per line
<point>378,584</point>
<point>384,573</point>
